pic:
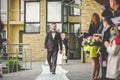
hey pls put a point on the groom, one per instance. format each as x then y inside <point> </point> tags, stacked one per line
<point>52,43</point>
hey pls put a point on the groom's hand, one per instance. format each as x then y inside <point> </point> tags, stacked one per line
<point>45,49</point>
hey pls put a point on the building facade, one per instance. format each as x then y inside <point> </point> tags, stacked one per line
<point>28,21</point>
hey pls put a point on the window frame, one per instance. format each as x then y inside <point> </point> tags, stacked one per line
<point>31,22</point>
<point>47,10</point>
<point>72,8</point>
<point>3,13</point>
<point>66,31</point>
<point>54,21</point>
<point>73,27</point>
<point>20,12</point>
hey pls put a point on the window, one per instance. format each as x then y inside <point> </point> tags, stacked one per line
<point>74,8</point>
<point>65,13</point>
<point>3,10</point>
<point>74,28</point>
<point>59,27</point>
<point>32,17</point>
<point>65,28</point>
<point>54,11</point>
<point>54,14</point>
<point>30,27</point>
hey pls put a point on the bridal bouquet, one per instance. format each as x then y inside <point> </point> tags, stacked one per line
<point>91,42</point>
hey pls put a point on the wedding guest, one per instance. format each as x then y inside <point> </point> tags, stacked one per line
<point>115,5</point>
<point>65,43</point>
<point>95,20</point>
<point>113,64</point>
<point>105,37</point>
<point>105,8</point>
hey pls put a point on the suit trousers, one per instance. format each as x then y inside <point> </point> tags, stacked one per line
<point>52,59</point>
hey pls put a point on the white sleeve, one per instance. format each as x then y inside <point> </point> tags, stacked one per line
<point>111,49</point>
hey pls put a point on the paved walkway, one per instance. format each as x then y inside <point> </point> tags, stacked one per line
<point>77,71</point>
<point>46,75</point>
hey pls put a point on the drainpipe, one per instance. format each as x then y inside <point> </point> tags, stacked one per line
<point>8,16</point>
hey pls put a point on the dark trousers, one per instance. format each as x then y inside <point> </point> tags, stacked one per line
<point>103,68</point>
<point>52,59</point>
<point>103,57</point>
<point>103,76</point>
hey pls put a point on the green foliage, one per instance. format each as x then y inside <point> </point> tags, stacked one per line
<point>13,65</point>
<point>4,70</point>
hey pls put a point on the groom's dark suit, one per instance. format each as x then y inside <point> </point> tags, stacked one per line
<point>52,46</point>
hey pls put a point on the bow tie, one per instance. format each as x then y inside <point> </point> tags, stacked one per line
<point>53,31</point>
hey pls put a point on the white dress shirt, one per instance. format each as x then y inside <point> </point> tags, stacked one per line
<point>53,34</point>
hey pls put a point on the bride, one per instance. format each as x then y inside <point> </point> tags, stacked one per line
<point>61,57</point>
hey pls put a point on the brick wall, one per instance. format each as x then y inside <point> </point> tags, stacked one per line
<point>36,41</point>
<point>87,9</point>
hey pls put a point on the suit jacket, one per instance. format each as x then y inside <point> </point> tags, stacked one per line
<point>51,43</point>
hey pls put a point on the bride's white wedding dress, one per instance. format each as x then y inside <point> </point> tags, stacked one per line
<point>46,75</point>
<point>59,58</point>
